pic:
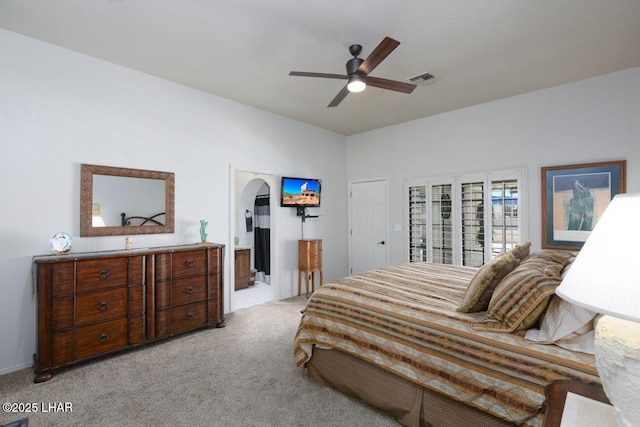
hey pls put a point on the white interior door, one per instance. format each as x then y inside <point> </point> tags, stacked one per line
<point>368,226</point>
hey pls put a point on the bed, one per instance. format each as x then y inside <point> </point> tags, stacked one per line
<point>442,345</point>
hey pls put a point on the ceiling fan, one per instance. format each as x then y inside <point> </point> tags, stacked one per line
<point>358,72</point>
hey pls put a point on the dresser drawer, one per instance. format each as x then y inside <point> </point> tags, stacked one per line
<point>95,307</point>
<point>101,273</point>
<point>100,338</point>
<point>188,317</point>
<point>174,265</point>
<point>188,290</point>
<point>190,263</point>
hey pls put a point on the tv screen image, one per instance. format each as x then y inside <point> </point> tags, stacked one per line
<point>297,192</point>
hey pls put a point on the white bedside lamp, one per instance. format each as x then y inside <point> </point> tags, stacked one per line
<point>605,278</point>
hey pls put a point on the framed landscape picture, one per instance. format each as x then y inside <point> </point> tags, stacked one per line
<point>574,197</point>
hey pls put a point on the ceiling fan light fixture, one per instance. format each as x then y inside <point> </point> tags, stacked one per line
<point>356,83</point>
<point>358,72</point>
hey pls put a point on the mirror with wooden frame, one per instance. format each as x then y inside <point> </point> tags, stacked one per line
<point>120,201</point>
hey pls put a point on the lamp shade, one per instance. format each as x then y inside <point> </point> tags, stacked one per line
<point>605,276</point>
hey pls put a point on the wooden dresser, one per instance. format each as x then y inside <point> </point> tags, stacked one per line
<point>92,304</point>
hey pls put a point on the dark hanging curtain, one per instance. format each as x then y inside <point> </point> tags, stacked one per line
<point>262,238</point>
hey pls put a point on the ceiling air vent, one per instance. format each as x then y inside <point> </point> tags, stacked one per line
<point>421,79</point>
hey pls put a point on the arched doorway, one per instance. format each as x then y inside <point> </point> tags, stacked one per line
<point>253,193</point>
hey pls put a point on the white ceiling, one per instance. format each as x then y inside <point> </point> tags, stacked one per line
<point>479,50</point>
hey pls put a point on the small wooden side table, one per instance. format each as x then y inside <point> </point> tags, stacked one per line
<point>556,395</point>
<point>309,261</point>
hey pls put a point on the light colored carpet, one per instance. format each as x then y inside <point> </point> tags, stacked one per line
<point>241,375</point>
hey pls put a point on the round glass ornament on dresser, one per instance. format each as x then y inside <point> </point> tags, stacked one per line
<point>61,243</point>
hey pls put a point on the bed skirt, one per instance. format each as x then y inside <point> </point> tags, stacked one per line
<point>409,403</point>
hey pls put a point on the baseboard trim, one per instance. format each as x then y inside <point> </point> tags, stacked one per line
<point>16,368</point>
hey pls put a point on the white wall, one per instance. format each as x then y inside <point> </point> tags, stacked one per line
<point>59,109</point>
<point>588,121</point>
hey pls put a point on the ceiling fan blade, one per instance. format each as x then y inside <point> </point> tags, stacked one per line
<point>325,75</point>
<point>390,84</point>
<point>383,50</point>
<point>339,97</point>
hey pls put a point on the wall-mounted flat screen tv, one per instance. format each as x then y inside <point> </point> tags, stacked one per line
<point>300,192</point>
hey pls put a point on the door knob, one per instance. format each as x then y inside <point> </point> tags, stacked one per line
<point>381,242</point>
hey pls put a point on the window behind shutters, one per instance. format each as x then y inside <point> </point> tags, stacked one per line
<point>473,229</point>
<point>441,224</point>
<point>417,223</point>
<point>464,219</point>
<point>504,215</point>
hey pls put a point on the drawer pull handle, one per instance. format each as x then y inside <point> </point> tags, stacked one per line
<point>103,338</point>
<point>103,274</point>
<point>190,290</point>
<point>103,306</point>
<point>191,263</point>
<point>191,316</point>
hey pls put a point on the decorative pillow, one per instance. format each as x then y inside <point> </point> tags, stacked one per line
<point>521,298</point>
<point>484,282</point>
<point>521,251</point>
<point>565,325</point>
<point>543,259</point>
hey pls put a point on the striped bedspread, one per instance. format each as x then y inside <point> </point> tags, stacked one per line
<point>403,319</point>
